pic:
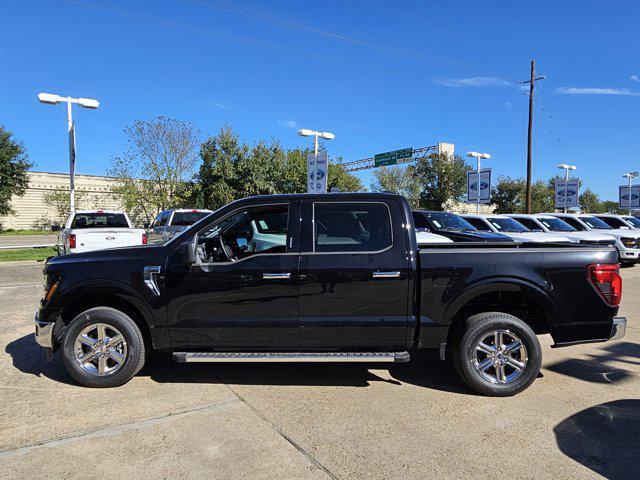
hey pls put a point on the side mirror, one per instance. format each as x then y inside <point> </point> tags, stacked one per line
<point>55,228</point>
<point>145,225</point>
<point>187,251</point>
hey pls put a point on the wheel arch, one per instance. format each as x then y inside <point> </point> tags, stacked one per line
<point>87,296</point>
<point>517,297</point>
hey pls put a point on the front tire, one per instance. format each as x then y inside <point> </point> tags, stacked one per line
<point>497,354</point>
<point>103,347</point>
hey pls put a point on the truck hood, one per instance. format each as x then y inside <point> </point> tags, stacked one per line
<point>105,254</point>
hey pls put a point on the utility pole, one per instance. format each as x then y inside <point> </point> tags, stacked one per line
<point>531,82</point>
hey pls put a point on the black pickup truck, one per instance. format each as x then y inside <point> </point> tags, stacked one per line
<point>325,278</point>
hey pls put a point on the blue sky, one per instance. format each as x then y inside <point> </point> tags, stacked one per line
<point>380,75</point>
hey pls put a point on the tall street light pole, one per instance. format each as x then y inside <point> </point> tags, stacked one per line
<point>53,99</point>
<point>566,169</point>
<point>630,176</point>
<point>305,132</point>
<point>478,156</point>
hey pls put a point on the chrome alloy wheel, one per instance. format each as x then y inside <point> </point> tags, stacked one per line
<point>500,357</point>
<point>100,349</point>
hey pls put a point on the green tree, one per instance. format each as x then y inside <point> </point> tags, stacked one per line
<point>155,170</point>
<point>401,180</point>
<point>590,202</point>
<point>14,164</point>
<point>609,206</point>
<point>509,196</point>
<point>442,179</point>
<point>231,169</point>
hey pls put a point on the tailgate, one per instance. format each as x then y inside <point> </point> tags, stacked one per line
<point>98,239</point>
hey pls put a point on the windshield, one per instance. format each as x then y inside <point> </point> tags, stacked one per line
<point>184,219</point>
<point>593,222</point>
<point>448,221</point>
<point>100,220</point>
<point>633,221</point>
<point>556,225</point>
<point>507,225</point>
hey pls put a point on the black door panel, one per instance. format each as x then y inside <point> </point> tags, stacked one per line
<point>351,299</point>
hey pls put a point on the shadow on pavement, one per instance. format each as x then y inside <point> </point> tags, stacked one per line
<point>29,357</point>
<point>425,370</point>
<point>605,366</point>
<point>604,438</point>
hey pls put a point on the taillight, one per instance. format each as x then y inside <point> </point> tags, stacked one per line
<point>607,280</point>
<point>72,240</point>
<point>144,238</point>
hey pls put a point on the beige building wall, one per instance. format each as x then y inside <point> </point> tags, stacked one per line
<point>96,193</point>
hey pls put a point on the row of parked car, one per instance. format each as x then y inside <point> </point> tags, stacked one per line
<point>621,231</point>
<point>98,229</point>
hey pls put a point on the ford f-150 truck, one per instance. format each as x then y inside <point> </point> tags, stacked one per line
<point>325,278</point>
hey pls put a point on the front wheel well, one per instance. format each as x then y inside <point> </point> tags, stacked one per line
<point>513,303</point>
<point>86,302</point>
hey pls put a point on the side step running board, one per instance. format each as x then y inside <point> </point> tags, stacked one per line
<point>219,357</point>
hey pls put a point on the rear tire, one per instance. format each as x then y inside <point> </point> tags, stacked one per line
<point>103,348</point>
<point>498,372</point>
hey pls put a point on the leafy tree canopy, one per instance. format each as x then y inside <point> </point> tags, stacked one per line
<point>14,164</point>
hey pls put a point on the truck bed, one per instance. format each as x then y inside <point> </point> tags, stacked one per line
<point>550,276</point>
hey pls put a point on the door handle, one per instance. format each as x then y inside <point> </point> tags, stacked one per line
<point>276,276</point>
<point>386,274</point>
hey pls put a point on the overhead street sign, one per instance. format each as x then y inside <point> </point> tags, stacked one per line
<point>391,158</point>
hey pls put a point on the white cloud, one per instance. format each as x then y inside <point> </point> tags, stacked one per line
<point>596,91</point>
<point>635,78</point>
<point>508,104</point>
<point>221,106</point>
<point>475,82</point>
<point>288,124</point>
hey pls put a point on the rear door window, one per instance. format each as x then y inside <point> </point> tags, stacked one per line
<point>352,227</point>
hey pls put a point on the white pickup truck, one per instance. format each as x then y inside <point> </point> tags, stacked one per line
<point>84,231</point>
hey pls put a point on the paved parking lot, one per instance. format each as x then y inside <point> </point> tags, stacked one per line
<point>581,419</point>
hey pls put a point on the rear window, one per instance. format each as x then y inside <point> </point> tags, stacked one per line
<point>185,219</point>
<point>98,220</point>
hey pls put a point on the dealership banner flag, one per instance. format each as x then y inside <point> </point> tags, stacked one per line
<point>479,191</point>
<point>567,192</point>
<point>628,199</point>
<point>317,172</point>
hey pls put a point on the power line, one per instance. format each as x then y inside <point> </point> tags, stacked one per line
<point>193,29</point>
